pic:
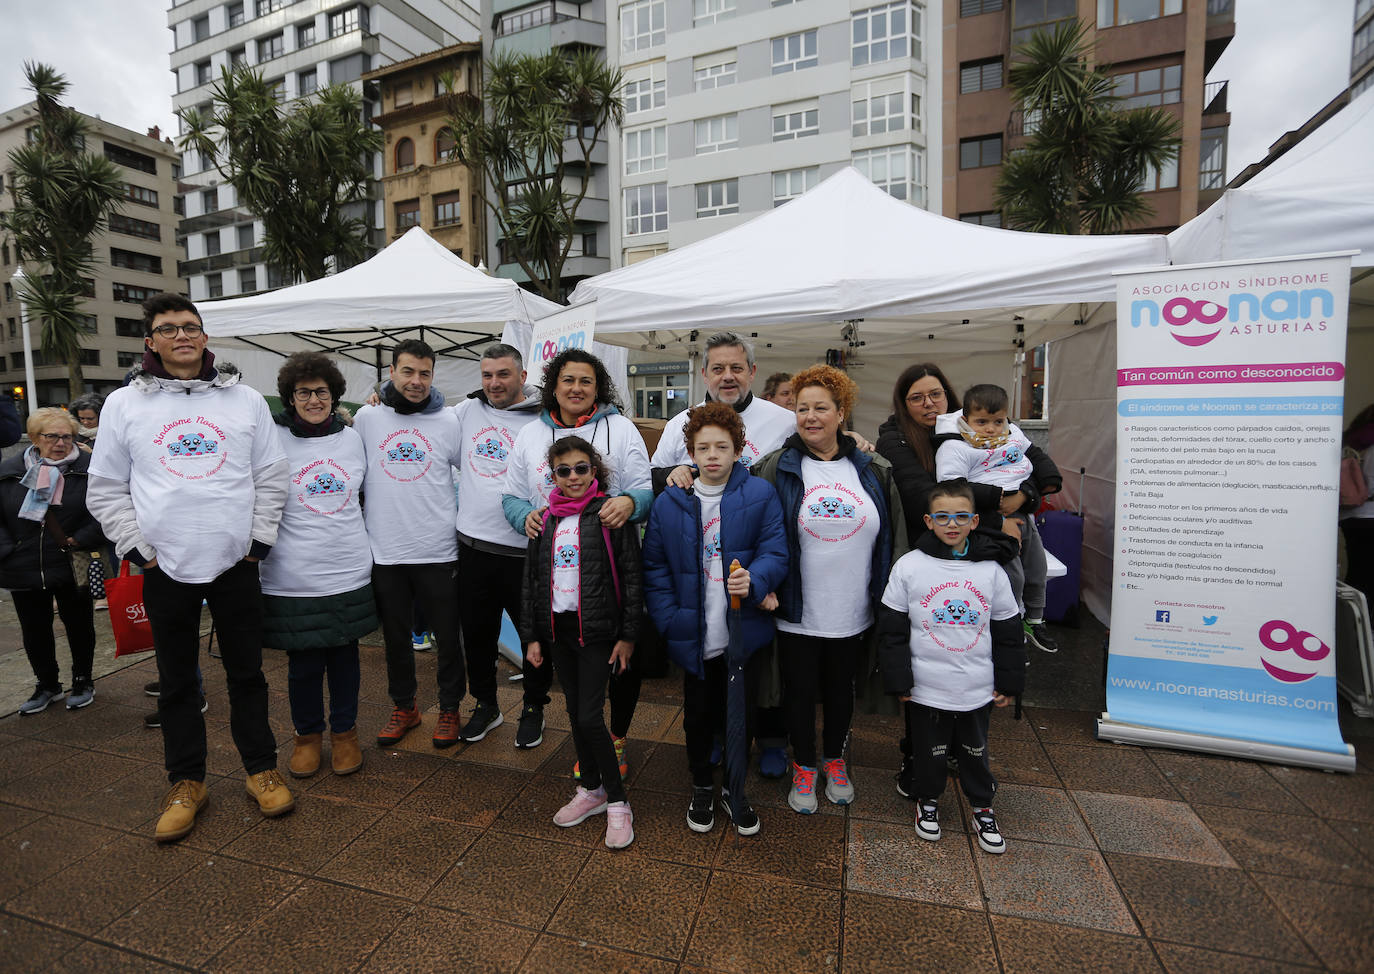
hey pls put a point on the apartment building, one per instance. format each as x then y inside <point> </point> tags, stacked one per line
<point>1362,48</point>
<point>135,259</point>
<point>300,46</point>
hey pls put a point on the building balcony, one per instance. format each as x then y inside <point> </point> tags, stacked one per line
<point>1221,27</point>
<point>212,221</point>
<point>220,262</point>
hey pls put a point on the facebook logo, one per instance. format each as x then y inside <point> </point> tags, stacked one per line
<point>1161,615</point>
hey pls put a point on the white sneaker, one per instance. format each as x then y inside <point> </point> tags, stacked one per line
<point>928,821</point>
<point>989,839</point>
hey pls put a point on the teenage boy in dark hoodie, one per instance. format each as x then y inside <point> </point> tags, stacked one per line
<point>951,647</point>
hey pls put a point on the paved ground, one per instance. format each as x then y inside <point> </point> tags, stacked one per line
<point>1120,858</point>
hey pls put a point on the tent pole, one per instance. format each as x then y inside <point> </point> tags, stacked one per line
<point>378,350</point>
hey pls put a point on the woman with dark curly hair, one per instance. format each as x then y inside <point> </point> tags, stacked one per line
<point>907,438</point>
<point>579,399</point>
<point>844,530</point>
<point>317,590</point>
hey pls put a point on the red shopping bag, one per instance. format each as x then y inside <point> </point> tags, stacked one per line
<point>132,631</point>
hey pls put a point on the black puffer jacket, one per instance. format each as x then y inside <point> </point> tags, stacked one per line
<point>913,480</point>
<point>29,556</point>
<point>606,616</point>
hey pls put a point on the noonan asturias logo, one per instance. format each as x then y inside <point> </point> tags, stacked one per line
<point>1196,321</point>
<point>1280,638</point>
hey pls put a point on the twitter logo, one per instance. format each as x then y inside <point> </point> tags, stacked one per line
<point>1209,620</point>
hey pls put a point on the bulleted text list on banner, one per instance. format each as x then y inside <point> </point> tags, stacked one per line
<point>1230,386</point>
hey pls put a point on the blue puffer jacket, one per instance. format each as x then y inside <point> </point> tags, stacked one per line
<point>674,583</point>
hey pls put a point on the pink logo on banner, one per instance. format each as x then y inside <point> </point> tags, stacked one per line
<point>1305,646</point>
<point>1187,375</point>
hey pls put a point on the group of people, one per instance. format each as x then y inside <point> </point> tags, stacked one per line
<point>781,558</point>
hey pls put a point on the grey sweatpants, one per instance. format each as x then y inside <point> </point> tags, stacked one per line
<point>1027,573</point>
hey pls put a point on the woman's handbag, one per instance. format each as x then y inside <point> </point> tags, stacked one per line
<point>132,631</point>
<point>88,564</point>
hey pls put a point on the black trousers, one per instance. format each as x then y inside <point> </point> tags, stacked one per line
<point>584,671</point>
<point>934,733</point>
<point>397,588</point>
<point>704,709</point>
<point>487,584</point>
<point>173,607</point>
<point>34,608</point>
<point>812,665</point>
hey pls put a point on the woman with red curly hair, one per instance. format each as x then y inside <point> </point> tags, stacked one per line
<point>844,530</point>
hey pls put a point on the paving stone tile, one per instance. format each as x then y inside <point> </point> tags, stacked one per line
<point>1334,920</point>
<point>1290,845</point>
<point>661,832</point>
<point>579,957</point>
<point>1027,946</point>
<point>1040,815</point>
<point>196,915</point>
<point>431,940</point>
<point>802,848</point>
<point>28,946</point>
<point>789,927</point>
<point>652,721</point>
<point>512,878</point>
<point>384,780</point>
<point>1150,827</point>
<point>33,852</point>
<point>92,892</point>
<point>1054,883</point>
<point>319,927</point>
<point>86,727</point>
<point>466,793</point>
<point>531,813</point>
<point>55,788</point>
<point>1222,781</point>
<point>1205,906</point>
<point>1116,770</point>
<point>1003,725</point>
<point>401,854</point>
<point>882,935</point>
<point>875,796</point>
<point>892,860</point>
<point>1347,796</point>
<point>1358,834</point>
<point>14,816</point>
<point>20,756</point>
<point>655,903</point>
<point>665,770</point>
<point>305,839</point>
<point>1064,726</point>
<point>139,743</point>
<point>498,748</point>
<point>558,762</point>
<point>1178,959</point>
<point>1022,763</point>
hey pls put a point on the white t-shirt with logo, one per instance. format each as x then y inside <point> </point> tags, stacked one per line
<point>409,506</point>
<point>950,604</point>
<point>766,425</point>
<point>567,565</point>
<point>717,626</point>
<point>1006,466</point>
<point>322,546</point>
<point>488,438</point>
<point>837,526</point>
<point>615,437</point>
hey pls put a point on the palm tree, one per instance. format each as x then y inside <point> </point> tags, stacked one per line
<point>533,144</point>
<point>299,171</point>
<point>63,196</point>
<point>1082,167</point>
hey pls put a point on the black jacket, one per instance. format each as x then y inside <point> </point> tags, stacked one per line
<point>913,480</point>
<point>605,614</point>
<point>29,556</point>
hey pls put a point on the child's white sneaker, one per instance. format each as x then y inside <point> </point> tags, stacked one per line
<point>989,839</point>
<point>928,821</point>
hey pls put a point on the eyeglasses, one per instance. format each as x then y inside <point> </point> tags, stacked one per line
<point>57,437</point>
<point>169,331</point>
<point>305,395</point>
<point>916,398</point>
<point>945,519</point>
<point>565,471</point>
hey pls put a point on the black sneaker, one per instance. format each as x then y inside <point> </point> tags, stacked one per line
<point>989,839</point>
<point>928,820</point>
<point>154,720</point>
<point>701,815</point>
<point>906,786</point>
<point>151,689</point>
<point>485,717</point>
<point>1038,635</point>
<point>748,822</point>
<point>530,731</point>
<point>42,696</point>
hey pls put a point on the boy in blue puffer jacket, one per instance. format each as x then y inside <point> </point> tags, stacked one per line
<point>692,536</point>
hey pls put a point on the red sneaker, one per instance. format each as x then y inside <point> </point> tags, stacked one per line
<point>402,720</point>
<point>448,731</point>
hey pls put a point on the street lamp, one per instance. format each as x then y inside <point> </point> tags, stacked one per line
<point>18,281</point>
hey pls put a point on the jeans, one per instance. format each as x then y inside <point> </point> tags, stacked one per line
<point>306,671</point>
<point>490,583</point>
<point>704,709</point>
<point>396,588</point>
<point>584,671</point>
<point>811,665</point>
<point>1027,573</point>
<point>937,733</point>
<point>34,608</point>
<point>173,607</point>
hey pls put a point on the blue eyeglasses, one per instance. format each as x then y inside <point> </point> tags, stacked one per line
<point>944,518</point>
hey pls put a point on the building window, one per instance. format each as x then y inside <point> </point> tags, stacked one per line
<point>711,71</point>
<point>407,215</point>
<point>790,184</point>
<point>980,75</point>
<point>127,360</point>
<point>642,26</point>
<point>895,170</point>
<point>307,81</point>
<point>134,261</point>
<point>1117,13</point>
<point>989,218</point>
<point>130,159</point>
<point>447,210</point>
<point>795,52</point>
<point>248,280</point>
<point>405,155</point>
<point>445,145</point>
<point>131,293</point>
<point>238,57</point>
<point>179,205</point>
<point>718,133</point>
<point>265,7</point>
<point>305,34</point>
<point>883,33</point>
<point>402,94</point>
<point>342,70</point>
<point>523,19</point>
<point>643,94</point>
<point>138,194</point>
<point>129,327</point>
<point>243,236</point>
<point>344,21</point>
<point>646,208</point>
<point>209,200</point>
<point>796,121</point>
<point>719,198</point>
<point>90,356</point>
<point>985,150</point>
<point>203,73</point>
<point>211,243</point>
<point>200,29</point>
<point>709,11</point>
<point>1161,178</point>
<point>972,8</point>
<point>119,223</point>
<point>1362,47</point>
<point>879,107</point>
<point>1028,16</point>
<point>1153,86</point>
<point>234,14</point>
<point>89,324</point>
<point>215,284</point>
<point>1212,159</point>
<point>270,47</point>
<point>646,150</point>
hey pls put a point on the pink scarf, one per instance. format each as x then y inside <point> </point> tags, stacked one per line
<point>562,506</point>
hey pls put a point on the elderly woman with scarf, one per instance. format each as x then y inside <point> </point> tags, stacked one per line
<point>43,515</point>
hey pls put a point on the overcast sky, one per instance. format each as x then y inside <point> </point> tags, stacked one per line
<point>1289,58</point>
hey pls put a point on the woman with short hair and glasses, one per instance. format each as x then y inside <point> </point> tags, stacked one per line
<point>43,516</point>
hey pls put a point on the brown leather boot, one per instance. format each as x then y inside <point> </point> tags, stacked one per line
<point>305,757</point>
<point>180,805</point>
<point>345,756</point>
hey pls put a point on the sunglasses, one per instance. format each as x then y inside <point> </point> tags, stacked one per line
<point>944,518</point>
<point>565,471</point>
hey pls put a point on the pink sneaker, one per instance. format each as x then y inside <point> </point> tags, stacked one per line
<point>583,806</point>
<point>619,825</point>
